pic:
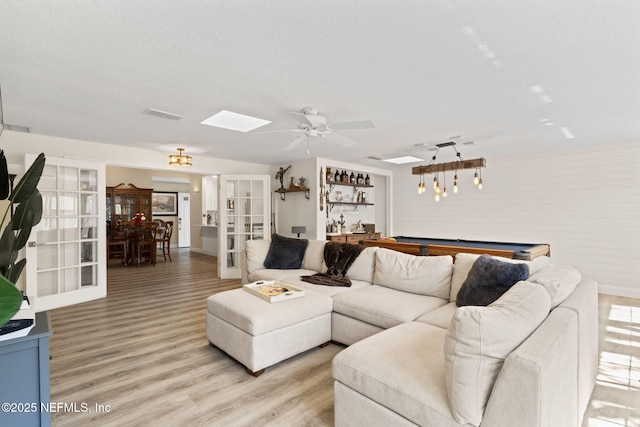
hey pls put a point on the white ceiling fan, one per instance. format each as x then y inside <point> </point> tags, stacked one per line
<point>316,125</point>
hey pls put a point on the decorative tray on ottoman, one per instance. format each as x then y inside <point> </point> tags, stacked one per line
<point>273,291</point>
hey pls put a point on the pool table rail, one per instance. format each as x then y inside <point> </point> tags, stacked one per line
<point>531,252</point>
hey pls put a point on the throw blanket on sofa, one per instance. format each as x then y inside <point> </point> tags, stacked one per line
<point>338,257</point>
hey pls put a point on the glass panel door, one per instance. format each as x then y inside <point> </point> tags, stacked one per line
<point>244,211</point>
<point>66,253</point>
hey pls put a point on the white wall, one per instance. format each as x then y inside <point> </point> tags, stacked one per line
<point>584,202</point>
<point>296,209</point>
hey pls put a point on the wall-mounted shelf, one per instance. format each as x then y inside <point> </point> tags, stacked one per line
<point>283,191</point>
<point>349,203</point>
<point>349,184</point>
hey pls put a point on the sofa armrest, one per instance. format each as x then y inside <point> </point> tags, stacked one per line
<point>583,301</point>
<point>536,386</point>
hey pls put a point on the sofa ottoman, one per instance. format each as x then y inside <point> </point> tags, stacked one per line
<point>260,334</point>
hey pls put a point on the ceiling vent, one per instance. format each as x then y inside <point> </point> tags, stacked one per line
<point>163,114</point>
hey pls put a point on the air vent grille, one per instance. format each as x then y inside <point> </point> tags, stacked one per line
<point>17,128</point>
<point>163,114</point>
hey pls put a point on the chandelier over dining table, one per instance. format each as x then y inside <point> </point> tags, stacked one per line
<point>440,189</point>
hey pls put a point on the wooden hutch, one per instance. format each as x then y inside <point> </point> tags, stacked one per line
<point>124,201</point>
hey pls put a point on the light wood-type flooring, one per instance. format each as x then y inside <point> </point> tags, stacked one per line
<point>140,357</point>
<point>143,351</point>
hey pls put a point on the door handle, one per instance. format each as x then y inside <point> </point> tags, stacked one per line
<point>34,244</point>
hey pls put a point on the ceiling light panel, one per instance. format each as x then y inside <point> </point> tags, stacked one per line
<point>234,121</point>
<point>403,160</point>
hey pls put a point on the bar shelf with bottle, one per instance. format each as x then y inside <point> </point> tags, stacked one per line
<point>347,179</point>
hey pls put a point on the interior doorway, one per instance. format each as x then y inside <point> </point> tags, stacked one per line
<point>184,220</point>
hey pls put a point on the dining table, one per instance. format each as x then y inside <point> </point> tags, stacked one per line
<point>141,238</point>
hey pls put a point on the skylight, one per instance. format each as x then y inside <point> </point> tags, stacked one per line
<point>234,121</point>
<point>403,160</point>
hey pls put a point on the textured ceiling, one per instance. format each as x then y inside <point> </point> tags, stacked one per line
<point>508,75</point>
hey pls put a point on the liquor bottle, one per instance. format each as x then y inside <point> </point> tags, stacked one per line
<point>336,177</point>
<point>329,174</point>
<point>367,180</point>
<point>352,178</point>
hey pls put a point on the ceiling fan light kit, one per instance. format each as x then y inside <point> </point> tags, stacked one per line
<point>455,166</point>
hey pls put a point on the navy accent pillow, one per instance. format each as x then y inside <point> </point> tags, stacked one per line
<point>488,279</point>
<point>285,253</point>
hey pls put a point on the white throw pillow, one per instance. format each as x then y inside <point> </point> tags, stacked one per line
<point>423,275</point>
<point>478,341</point>
<point>464,262</point>
<point>256,251</point>
<point>559,282</point>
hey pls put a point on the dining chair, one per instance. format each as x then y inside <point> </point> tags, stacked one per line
<point>166,240</point>
<point>117,244</point>
<point>161,229</point>
<point>146,243</point>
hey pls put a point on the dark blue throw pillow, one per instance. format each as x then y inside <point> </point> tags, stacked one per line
<point>488,279</point>
<point>285,253</point>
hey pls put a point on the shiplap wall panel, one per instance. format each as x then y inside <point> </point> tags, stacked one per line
<point>584,202</point>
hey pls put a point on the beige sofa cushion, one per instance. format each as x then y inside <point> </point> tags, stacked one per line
<point>382,306</point>
<point>256,251</point>
<point>440,317</point>
<point>405,374</point>
<point>314,256</point>
<point>277,274</point>
<point>324,289</point>
<point>363,266</point>
<point>480,338</point>
<point>559,282</point>
<point>464,262</point>
<point>416,274</point>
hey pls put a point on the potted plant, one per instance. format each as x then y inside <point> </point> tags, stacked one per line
<point>16,229</point>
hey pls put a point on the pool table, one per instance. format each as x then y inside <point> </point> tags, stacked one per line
<point>428,246</point>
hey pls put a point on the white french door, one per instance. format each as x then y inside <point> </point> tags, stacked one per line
<point>66,252</point>
<point>243,207</point>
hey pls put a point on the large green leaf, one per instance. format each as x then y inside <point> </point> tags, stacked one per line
<point>6,244</point>
<point>10,300</point>
<point>29,181</point>
<point>15,270</point>
<point>23,233</point>
<point>29,212</point>
<point>4,177</point>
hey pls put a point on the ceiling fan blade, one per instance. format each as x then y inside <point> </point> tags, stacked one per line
<point>364,124</point>
<point>295,142</point>
<point>339,139</point>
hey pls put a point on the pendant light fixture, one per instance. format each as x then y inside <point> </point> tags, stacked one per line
<point>459,164</point>
<point>180,159</point>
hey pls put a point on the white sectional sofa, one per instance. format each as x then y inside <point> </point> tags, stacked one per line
<point>415,358</point>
